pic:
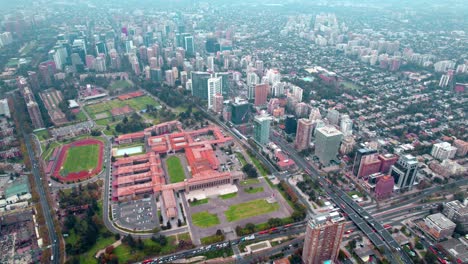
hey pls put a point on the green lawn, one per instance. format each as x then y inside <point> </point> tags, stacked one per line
<point>351,193</point>
<point>253,190</point>
<point>121,84</point>
<point>205,219</point>
<point>124,253</point>
<point>47,152</point>
<point>250,209</point>
<point>138,103</point>
<point>241,158</point>
<point>199,202</point>
<point>175,170</point>
<point>249,181</point>
<point>81,158</point>
<point>211,239</point>
<point>81,116</point>
<point>42,134</point>
<point>228,196</point>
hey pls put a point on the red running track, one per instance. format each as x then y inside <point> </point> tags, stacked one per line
<point>82,175</point>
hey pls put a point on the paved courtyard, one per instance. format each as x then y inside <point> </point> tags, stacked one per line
<point>218,206</point>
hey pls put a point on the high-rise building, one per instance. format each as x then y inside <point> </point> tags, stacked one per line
<point>346,125</point>
<point>290,124</point>
<point>100,64</point>
<point>462,147</point>
<point>457,212</point>
<point>218,103</point>
<point>359,155</point>
<point>33,80</point>
<point>262,128</point>
<point>384,187</point>
<point>443,151</point>
<point>33,108</point>
<point>200,84</point>
<point>240,111</point>
<point>4,108</point>
<point>303,134</point>
<point>259,67</point>
<point>225,76</point>
<point>333,116</point>
<point>189,45</point>
<point>322,241</point>
<point>215,86</point>
<point>302,110</point>
<point>327,144</point>
<point>370,164</point>
<point>101,48</point>
<point>169,76</point>
<point>261,94</point>
<point>387,160</point>
<point>404,172</point>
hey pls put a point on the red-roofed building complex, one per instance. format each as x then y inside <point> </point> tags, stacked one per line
<point>142,174</point>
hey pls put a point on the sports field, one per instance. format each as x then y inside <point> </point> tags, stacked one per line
<point>138,103</point>
<point>81,158</point>
<point>175,170</point>
<point>205,219</point>
<point>250,209</point>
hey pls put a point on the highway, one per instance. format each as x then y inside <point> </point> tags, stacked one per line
<point>362,219</point>
<point>53,237</point>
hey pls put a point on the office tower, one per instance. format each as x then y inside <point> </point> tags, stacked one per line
<point>346,125</point>
<point>384,187</point>
<point>333,116</point>
<point>261,94</point>
<point>33,108</point>
<point>218,103</point>
<point>327,144</point>
<point>215,86</point>
<point>357,159</point>
<point>33,80</point>
<point>262,128</point>
<point>443,151</point>
<point>370,164</point>
<point>387,160</point>
<point>100,64</point>
<point>290,124</point>
<point>200,84</point>
<point>240,110</point>
<point>79,47</point>
<point>148,39</point>
<point>101,48</point>
<point>322,241</point>
<point>189,45</point>
<point>404,172</point>
<point>142,51</point>
<point>169,75</point>
<point>303,134</point>
<point>225,76</point>
<point>212,45</point>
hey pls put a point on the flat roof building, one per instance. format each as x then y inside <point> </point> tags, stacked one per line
<point>327,144</point>
<point>439,226</point>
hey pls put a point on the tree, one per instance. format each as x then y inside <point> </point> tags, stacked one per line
<point>219,232</point>
<point>460,196</point>
<point>430,257</point>
<point>113,159</point>
<point>250,227</point>
<point>250,170</point>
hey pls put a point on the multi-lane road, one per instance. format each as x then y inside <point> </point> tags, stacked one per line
<point>53,237</point>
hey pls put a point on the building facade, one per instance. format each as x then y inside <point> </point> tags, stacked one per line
<point>262,129</point>
<point>404,172</point>
<point>443,150</point>
<point>322,241</point>
<point>303,134</point>
<point>327,144</point>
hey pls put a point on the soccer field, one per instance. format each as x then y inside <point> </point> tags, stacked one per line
<point>175,170</point>
<point>81,158</point>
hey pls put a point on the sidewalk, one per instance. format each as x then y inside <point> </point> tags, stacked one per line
<point>102,251</point>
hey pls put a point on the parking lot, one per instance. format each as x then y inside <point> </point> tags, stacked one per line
<point>136,215</point>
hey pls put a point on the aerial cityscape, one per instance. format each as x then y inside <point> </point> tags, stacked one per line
<point>249,131</point>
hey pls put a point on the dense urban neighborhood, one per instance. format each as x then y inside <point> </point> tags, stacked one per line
<point>285,132</point>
